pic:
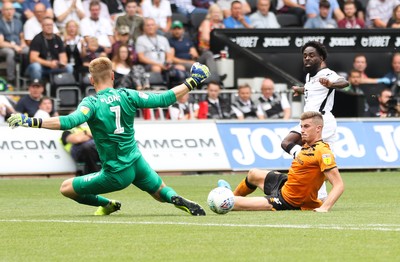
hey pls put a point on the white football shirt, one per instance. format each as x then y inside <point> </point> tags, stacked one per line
<point>315,94</point>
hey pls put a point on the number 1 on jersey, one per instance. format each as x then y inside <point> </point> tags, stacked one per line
<point>117,111</point>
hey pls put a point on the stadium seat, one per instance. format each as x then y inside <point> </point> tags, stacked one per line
<point>90,91</point>
<point>157,81</point>
<point>196,19</point>
<point>180,17</point>
<point>288,20</point>
<point>84,81</point>
<point>253,5</point>
<point>61,80</point>
<point>68,97</point>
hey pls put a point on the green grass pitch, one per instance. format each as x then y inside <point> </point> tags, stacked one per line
<point>38,224</point>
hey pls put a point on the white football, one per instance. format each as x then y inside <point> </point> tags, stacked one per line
<point>221,200</point>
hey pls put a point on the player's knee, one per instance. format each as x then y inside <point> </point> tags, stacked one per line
<point>66,189</point>
<point>252,176</point>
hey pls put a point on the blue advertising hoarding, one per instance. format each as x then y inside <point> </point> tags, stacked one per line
<point>361,144</point>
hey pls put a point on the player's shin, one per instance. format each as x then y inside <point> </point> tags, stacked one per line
<point>167,193</point>
<point>244,188</point>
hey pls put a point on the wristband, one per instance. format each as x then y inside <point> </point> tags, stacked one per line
<point>190,83</point>
<point>36,122</point>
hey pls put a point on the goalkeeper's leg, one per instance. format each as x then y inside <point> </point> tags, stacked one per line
<point>86,189</point>
<point>148,180</point>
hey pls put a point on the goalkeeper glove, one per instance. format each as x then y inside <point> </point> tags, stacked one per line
<point>16,120</point>
<point>199,73</point>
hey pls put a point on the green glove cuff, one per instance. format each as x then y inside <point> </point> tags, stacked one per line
<point>190,83</point>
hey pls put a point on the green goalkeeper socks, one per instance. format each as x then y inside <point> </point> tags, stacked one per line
<point>92,200</point>
<point>167,193</point>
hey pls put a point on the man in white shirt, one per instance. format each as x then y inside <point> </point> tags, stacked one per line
<point>5,108</point>
<point>263,18</point>
<point>98,27</point>
<point>160,11</point>
<point>319,93</point>
<point>104,12</point>
<point>66,10</point>
<point>33,25</point>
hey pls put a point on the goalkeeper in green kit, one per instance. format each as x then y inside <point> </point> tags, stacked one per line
<point>110,116</point>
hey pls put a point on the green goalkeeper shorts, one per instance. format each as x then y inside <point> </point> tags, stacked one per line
<point>140,174</point>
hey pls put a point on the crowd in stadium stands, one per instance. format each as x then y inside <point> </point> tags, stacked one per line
<point>160,39</point>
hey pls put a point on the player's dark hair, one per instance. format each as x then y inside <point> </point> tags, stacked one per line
<point>318,46</point>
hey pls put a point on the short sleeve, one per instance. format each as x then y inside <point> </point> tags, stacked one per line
<point>325,158</point>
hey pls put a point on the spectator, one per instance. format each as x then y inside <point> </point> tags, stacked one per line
<point>322,20</point>
<point>295,7</point>
<point>354,82</point>
<point>394,21</point>
<point>216,107</point>
<point>186,7</point>
<point>73,42</point>
<point>350,20</point>
<point>394,75</point>
<point>203,3</point>
<point>115,8</point>
<point>67,10</point>
<point>104,12</point>
<point>155,52</point>
<point>379,12</point>
<point>213,20</point>
<point>132,20</point>
<point>360,8</point>
<point>98,27</point>
<point>47,53</point>
<point>45,108</point>
<point>382,109</point>
<point>121,64</point>
<point>137,77</point>
<point>312,9</point>
<point>160,11</point>
<point>237,18</point>
<point>185,53</point>
<point>29,104</point>
<point>80,144</point>
<point>91,51</point>
<point>33,25</point>
<point>12,40</point>
<point>360,64</point>
<point>183,109</point>
<point>226,7</point>
<point>272,105</point>
<point>244,107</point>
<point>5,108</point>
<point>263,17</point>
<point>123,39</point>
<point>28,7</point>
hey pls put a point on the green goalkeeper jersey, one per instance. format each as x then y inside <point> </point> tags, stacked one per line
<point>110,116</point>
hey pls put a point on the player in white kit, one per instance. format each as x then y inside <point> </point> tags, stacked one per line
<point>319,94</point>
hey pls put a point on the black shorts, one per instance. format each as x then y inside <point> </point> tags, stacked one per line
<point>272,189</point>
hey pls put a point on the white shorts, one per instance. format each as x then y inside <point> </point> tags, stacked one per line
<point>329,134</point>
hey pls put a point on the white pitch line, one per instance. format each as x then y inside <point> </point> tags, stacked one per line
<point>365,227</point>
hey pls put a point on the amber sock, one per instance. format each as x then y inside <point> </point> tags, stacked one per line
<point>244,188</point>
